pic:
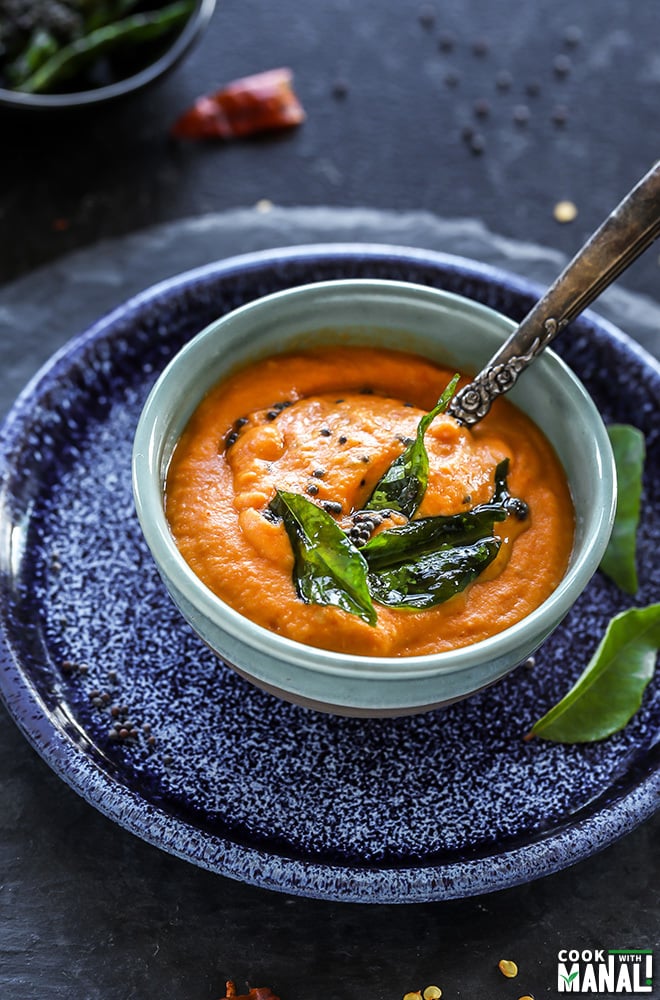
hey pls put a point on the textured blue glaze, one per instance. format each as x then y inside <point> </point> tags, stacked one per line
<point>448,804</point>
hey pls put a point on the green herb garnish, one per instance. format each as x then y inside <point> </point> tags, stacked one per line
<point>403,486</point>
<point>434,577</point>
<point>619,561</point>
<point>40,68</point>
<point>328,568</point>
<point>609,691</point>
<point>41,47</point>
<point>428,561</point>
<point>428,534</point>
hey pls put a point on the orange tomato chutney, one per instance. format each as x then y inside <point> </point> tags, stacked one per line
<point>347,412</point>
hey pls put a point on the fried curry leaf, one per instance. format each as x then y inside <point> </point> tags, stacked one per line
<point>609,691</point>
<point>619,561</point>
<point>328,569</point>
<point>433,577</point>
<point>416,538</point>
<point>41,47</point>
<point>427,534</point>
<point>132,30</point>
<point>404,484</point>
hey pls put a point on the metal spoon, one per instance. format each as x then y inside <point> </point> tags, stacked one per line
<point>623,236</point>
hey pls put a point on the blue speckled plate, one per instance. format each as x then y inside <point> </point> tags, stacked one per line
<point>448,804</point>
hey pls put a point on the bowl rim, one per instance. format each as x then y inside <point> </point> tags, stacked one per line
<point>147,476</point>
<point>184,40</point>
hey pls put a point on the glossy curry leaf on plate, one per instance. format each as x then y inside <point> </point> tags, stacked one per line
<point>328,569</point>
<point>609,691</point>
<point>619,561</point>
<point>403,485</point>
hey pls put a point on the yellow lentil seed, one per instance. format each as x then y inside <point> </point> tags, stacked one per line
<point>565,211</point>
<point>527,996</point>
<point>508,969</point>
<point>413,996</point>
<point>432,993</point>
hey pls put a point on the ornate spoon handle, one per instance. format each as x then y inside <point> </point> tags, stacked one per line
<point>623,236</point>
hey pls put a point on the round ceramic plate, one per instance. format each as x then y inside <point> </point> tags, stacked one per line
<point>447,804</point>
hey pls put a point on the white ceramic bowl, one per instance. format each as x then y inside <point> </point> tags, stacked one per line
<point>447,328</point>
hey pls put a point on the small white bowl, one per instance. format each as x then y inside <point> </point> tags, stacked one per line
<point>461,334</point>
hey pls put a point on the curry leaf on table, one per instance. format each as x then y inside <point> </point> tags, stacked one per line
<point>619,561</point>
<point>433,577</point>
<point>609,691</point>
<point>403,486</point>
<point>328,569</point>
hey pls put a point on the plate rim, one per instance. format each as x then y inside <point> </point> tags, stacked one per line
<point>540,856</point>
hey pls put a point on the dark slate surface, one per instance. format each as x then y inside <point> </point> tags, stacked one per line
<point>86,910</point>
<point>393,141</point>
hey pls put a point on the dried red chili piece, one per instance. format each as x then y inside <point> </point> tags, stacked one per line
<point>264,102</point>
<point>257,993</point>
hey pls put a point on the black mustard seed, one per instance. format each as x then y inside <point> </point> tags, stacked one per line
<point>572,36</point>
<point>426,17</point>
<point>562,65</point>
<point>521,114</point>
<point>560,115</point>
